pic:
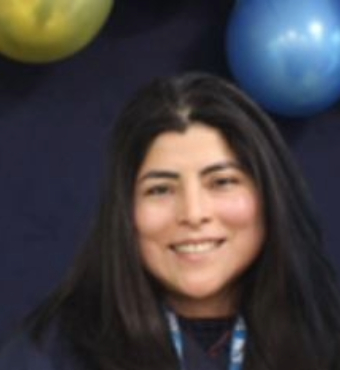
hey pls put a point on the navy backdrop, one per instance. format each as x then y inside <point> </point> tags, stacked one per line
<point>54,121</point>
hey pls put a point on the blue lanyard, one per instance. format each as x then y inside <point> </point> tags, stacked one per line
<point>238,341</point>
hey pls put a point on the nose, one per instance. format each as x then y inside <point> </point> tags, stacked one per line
<point>194,209</point>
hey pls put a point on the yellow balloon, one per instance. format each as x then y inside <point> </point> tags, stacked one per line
<point>41,31</point>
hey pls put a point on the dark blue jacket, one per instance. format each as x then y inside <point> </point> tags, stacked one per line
<point>21,353</point>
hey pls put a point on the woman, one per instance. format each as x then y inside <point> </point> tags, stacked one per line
<point>205,255</point>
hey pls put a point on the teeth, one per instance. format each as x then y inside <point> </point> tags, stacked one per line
<point>195,248</point>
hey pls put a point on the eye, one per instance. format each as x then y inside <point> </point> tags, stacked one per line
<point>224,182</point>
<point>159,190</point>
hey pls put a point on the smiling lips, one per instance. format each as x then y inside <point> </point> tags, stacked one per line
<point>202,246</point>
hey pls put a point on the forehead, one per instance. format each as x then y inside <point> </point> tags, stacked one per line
<point>199,145</point>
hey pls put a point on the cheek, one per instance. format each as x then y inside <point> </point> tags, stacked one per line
<point>152,221</point>
<point>240,209</point>
<point>153,225</point>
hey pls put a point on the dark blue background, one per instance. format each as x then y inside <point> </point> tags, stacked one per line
<point>54,123</point>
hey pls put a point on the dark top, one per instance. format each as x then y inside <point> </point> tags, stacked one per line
<point>205,348</point>
<point>209,337</point>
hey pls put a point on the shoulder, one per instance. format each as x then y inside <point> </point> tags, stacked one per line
<point>22,353</point>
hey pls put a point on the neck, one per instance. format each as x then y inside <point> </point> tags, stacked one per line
<point>208,308</point>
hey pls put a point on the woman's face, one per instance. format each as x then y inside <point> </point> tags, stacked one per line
<point>199,220</point>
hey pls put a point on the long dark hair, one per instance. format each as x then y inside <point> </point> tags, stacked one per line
<point>110,310</point>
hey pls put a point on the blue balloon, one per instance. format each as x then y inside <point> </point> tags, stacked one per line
<point>286,53</point>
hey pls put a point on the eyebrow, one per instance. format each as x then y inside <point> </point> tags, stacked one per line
<point>161,174</point>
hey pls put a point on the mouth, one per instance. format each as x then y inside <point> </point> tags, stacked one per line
<point>197,247</point>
